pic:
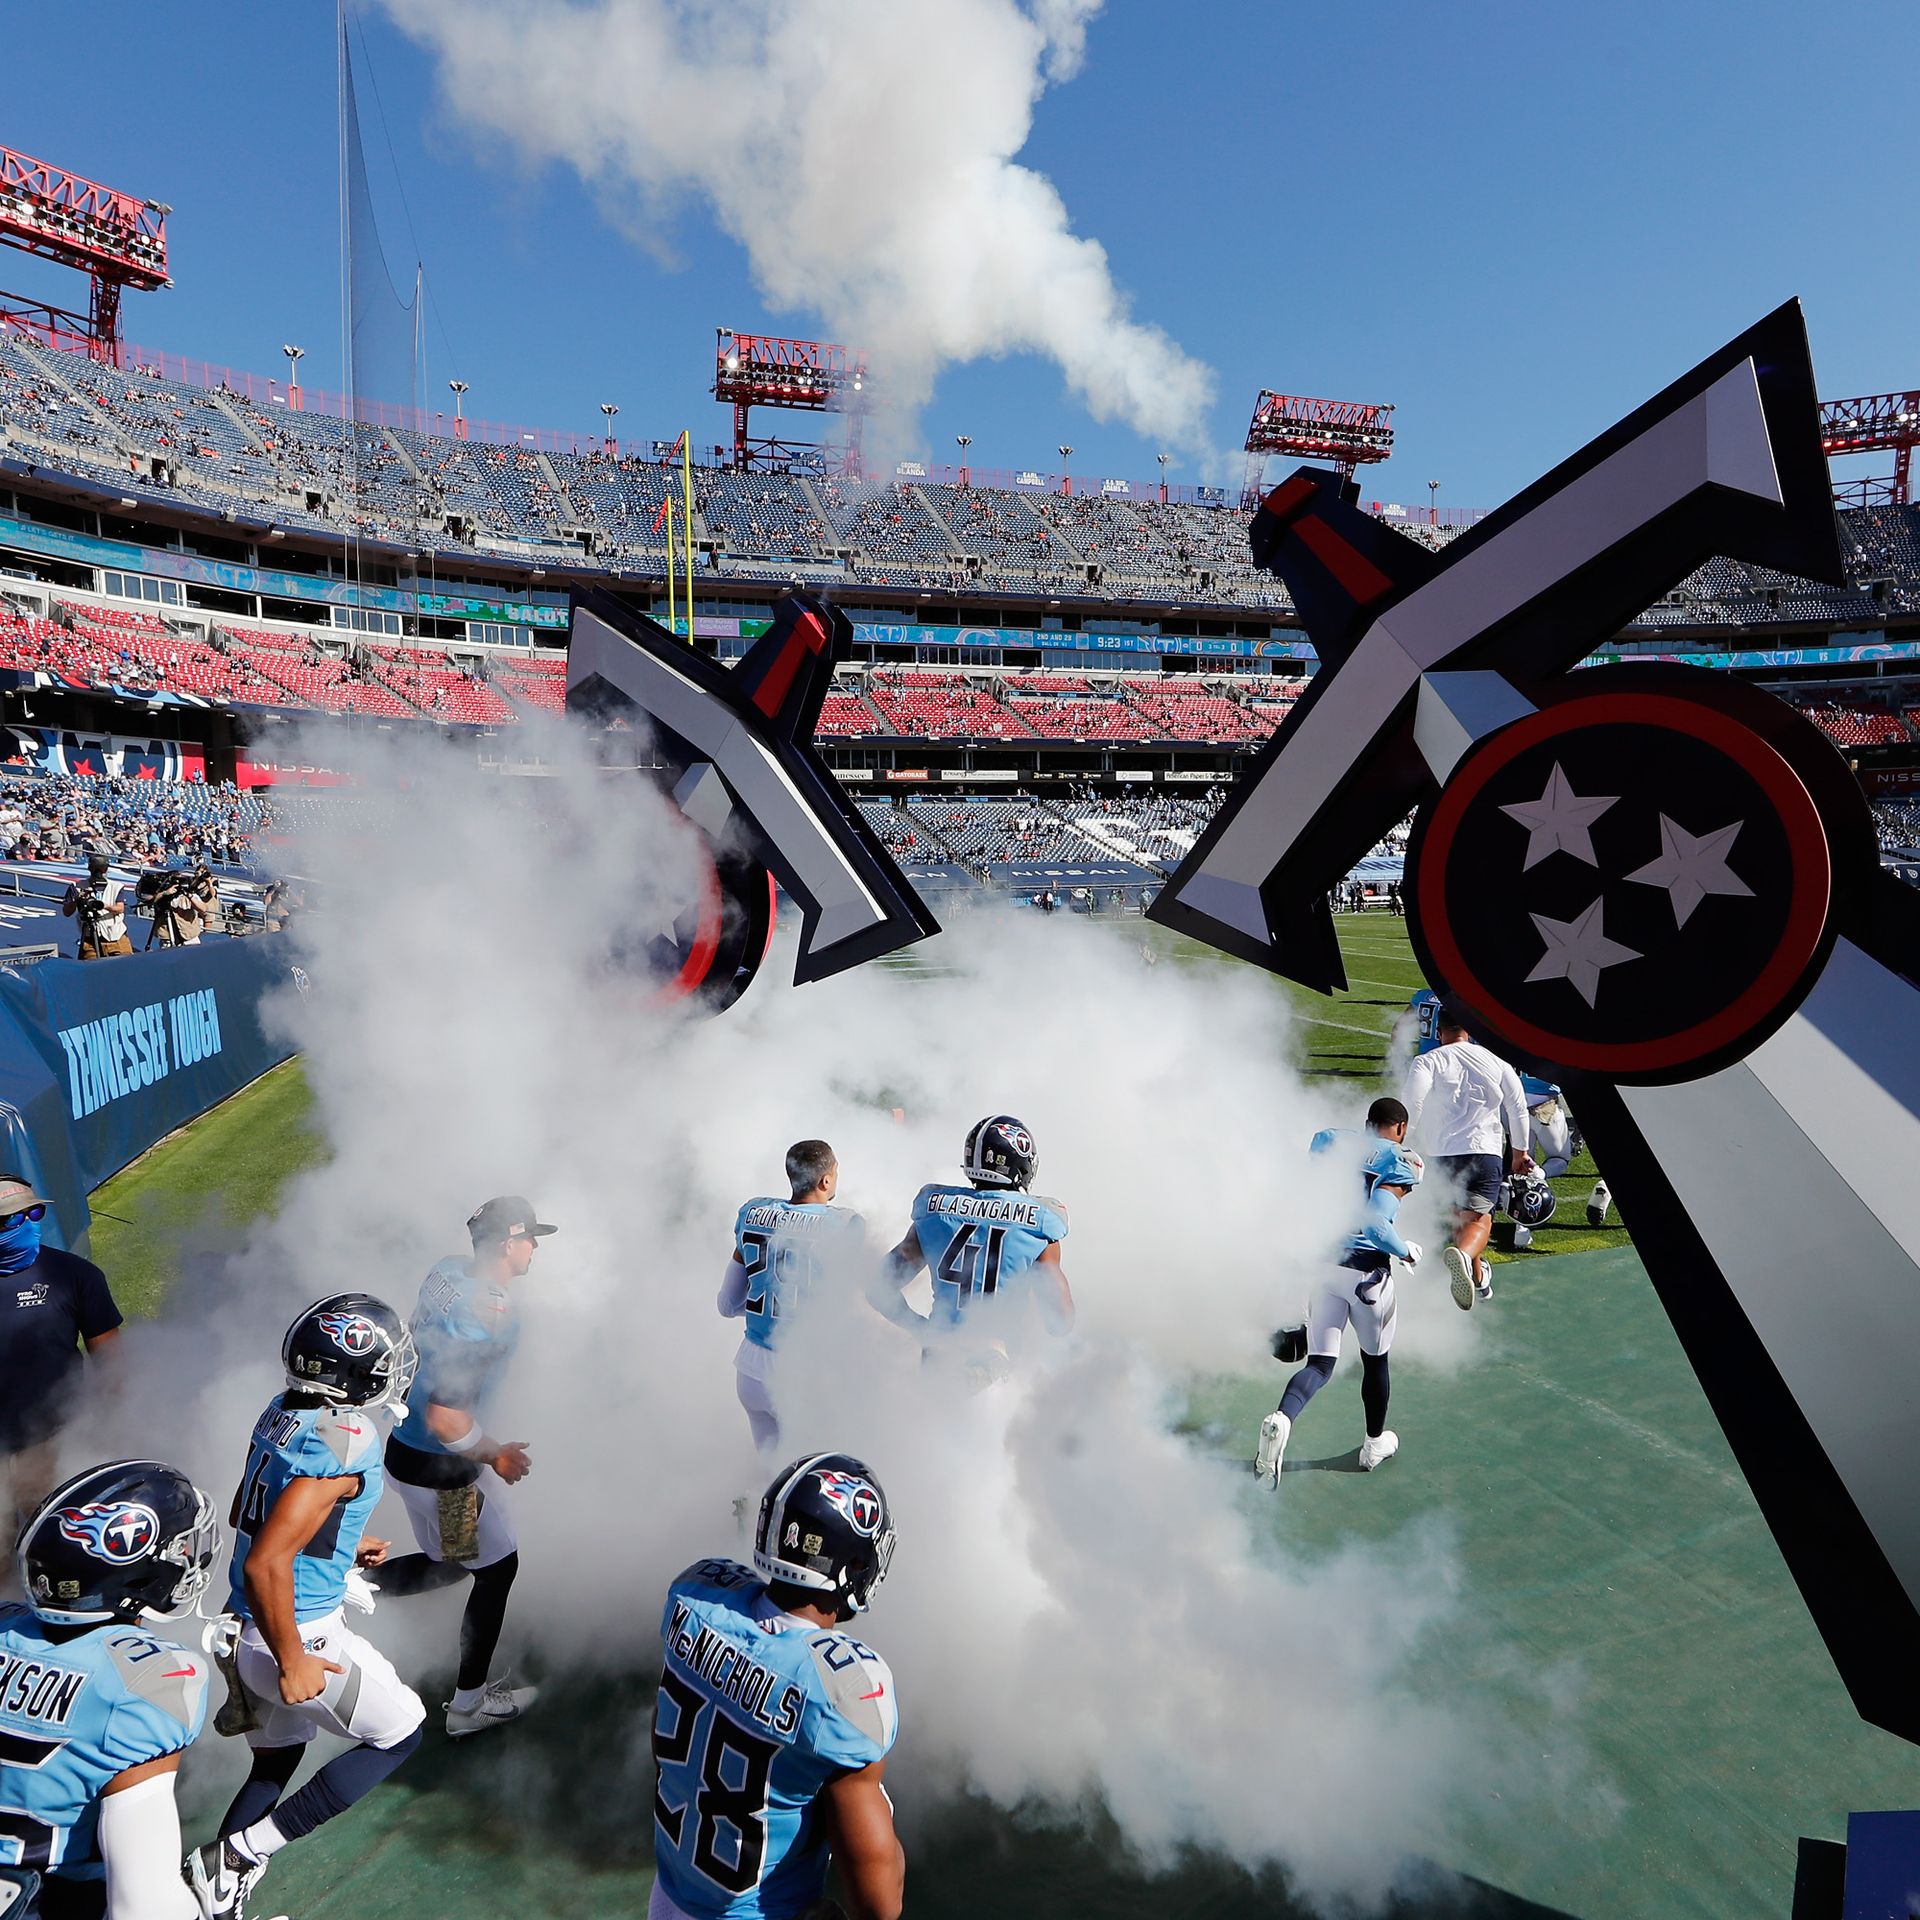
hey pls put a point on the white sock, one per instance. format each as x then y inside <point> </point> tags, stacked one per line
<point>466,1699</point>
<point>258,1843</point>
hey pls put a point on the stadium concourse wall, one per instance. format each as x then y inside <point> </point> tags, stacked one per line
<point>101,1060</point>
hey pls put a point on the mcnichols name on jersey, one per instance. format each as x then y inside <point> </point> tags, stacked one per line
<point>732,1675</point>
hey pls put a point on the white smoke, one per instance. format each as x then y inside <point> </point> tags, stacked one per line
<point>1085,1606</point>
<point>863,152</point>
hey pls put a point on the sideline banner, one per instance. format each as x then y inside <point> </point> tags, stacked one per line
<point>100,1060</point>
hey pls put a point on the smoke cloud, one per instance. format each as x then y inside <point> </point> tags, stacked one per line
<point>1085,1606</point>
<point>864,155</point>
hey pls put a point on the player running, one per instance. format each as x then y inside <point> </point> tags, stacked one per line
<point>312,1481</point>
<point>991,1246</point>
<point>1358,1291</point>
<point>782,1250</point>
<point>95,1709</point>
<point>452,1475</point>
<point>772,1726</point>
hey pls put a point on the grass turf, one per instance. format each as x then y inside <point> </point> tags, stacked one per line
<point>212,1176</point>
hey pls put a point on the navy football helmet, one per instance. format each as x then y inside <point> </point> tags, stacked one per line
<point>132,1540</point>
<point>1530,1200</point>
<point>1001,1153</point>
<point>825,1525</point>
<point>353,1350</point>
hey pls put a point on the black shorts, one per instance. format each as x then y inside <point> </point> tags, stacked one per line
<point>1474,1179</point>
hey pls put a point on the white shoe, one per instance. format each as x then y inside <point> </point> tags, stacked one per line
<point>498,1705</point>
<point>1273,1445</point>
<point>1373,1451</point>
<point>1598,1201</point>
<point>1482,1278</point>
<point>220,1880</point>
<point>1459,1278</point>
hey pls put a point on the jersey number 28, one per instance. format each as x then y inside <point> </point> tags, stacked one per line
<point>733,1769</point>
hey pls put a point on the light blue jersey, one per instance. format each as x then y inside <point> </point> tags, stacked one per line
<point>1376,1237</point>
<point>981,1244</point>
<point>785,1249</point>
<point>76,1710</point>
<point>756,1713</point>
<point>309,1443</point>
<point>465,1330</point>
<point>1425,1006</point>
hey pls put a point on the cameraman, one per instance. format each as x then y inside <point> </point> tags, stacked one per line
<point>103,917</point>
<point>183,903</point>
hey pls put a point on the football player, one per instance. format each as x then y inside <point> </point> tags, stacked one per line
<point>312,1480</point>
<point>95,1707</point>
<point>991,1245</point>
<point>782,1250</point>
<point>772,1724</point>
<point>1358,1291</point>
<point>452,1475</point>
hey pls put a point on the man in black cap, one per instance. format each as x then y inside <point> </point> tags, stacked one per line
<point>51,1302</point>
<point>103,915</point>
<point>450,1473</point>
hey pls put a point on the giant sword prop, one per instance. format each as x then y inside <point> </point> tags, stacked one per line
<point>735,749</point>
<point>1660,887</point>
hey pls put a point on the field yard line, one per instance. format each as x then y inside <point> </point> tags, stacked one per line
<point>1372,1033</point>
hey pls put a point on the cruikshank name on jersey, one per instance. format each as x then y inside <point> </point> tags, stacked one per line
<point>790,1219</point>
<point>38,1692</point>
<point>734,1676</point>
<point>120,1053</point>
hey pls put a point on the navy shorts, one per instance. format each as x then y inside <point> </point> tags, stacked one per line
<point>1476,1178</point>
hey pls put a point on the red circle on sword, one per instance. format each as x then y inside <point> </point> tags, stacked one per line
<point>1754,1007</point>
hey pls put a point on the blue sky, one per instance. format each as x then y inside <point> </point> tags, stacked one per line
<point>1512,221</point>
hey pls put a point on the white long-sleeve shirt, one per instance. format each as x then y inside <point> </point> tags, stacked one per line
<point>1462,1099</point>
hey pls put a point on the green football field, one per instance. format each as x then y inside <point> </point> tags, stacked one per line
<point>1624,1613</point>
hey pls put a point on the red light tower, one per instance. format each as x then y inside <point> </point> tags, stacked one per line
<point>116,240</point>
<point>807,376</point>
<point>1879,423</point>
<point>1350,433</point>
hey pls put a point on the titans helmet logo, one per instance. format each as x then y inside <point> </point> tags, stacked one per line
<point>853,1497</point>
<point>119,1531</point>
<point>353,1333</point>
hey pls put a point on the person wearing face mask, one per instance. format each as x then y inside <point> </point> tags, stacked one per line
<point>51,1303</point>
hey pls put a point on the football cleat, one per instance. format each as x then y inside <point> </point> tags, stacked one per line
<point>1274,1430</point>
<point>1373,1451</point>
<point>220,1880</point>
<point>498,1705</point>
<point>1459,1278</point>
<point>1598,1201</point>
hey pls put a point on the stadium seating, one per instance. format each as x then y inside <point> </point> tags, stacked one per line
<point>539,681</point>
